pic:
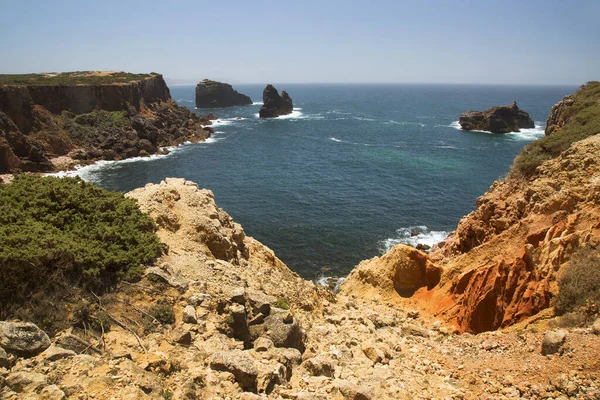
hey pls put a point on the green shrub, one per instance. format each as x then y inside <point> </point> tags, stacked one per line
<point>71,78</point>
<point>163,312</point>
<point>583,120</point>
<point>579,285</point>
<point>64,232</point>
<point>282,303</point>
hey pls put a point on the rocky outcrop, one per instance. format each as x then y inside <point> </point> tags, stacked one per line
<point>501,119</point>
<point>275,105</point>
<point>211,94</point>
<point>23,338</point>
<point>401,271</point>
<point>558,115</point>
<point>88,122</point>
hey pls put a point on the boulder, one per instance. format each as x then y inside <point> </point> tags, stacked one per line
<point>403,269</point>
<point>4,360</point>
<point>54,353</point>
<point>596,327</point>
<point>320,365</point>
<point>238,363</point>
<point>189,315</point>
<point>282,329</point>
<point>52,392</point>
<point>275,105</point>
<point>181,335</point>
<point>372,353</point>
<point>23,338</point>
<point>500,119</point>
<point>26,381</point>
<point>553,341</point>
<point>212,94</point>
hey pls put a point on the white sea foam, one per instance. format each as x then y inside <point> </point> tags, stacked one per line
<point>413,235</point>
<point>257,103</point>
<point>405,123</point>
<point>222,122</point>
<point>324,281</point>
<point>336,140</point>
<point>525,134</point>
<point>364,118</point>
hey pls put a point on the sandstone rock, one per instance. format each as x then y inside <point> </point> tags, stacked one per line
<point>189,315</point>
<point>211,94</point>
<point>168,278</point>
<point>502,119</point>
<point>275,105</point>
<point>23,338</point>
<point>558,115</point>
<point>553,341</point>
<point>320,365</point>
<point>372,353</point>
<point>489,345</point>
<point>52,392</point>
<point>197,299</point>
<point>403,269</point>
<point>240,364</point>
<point>263,344</point>
<point>351,391</point>
<point>181,335</point>
<point>238,296</point>
<point>283,329</point>
<point>596,327</point>
<point>261,302</point>
<point>4,360</point>
<point>238,322</point>
<point>26,381</point>
<point>54,353</point>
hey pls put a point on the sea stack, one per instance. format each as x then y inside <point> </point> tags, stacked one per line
<point>211,94</point>
<point>500,119</point>
<point>275,105</point>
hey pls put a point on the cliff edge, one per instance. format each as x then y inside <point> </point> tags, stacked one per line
<point>88,116</point>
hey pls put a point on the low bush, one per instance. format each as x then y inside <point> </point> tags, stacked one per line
<point>579,285</point>
<point>61,233</point>
<point>163,313</point>
<point>583,120</point>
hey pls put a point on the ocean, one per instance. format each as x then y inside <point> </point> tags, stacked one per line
<point>354,170</point>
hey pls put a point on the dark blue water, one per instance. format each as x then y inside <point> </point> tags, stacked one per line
<point>353,171</point>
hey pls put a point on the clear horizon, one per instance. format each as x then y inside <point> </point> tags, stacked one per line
<point>434,42</point>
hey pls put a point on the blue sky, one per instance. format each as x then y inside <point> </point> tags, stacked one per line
<point>522,42</point>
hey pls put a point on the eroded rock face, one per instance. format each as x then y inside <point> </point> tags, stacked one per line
<point>211,94</point>
<point>558,117</point>
<point>275,105</point>
<point>503,260</point>
<point>402,270</point>
<point>501,119</point>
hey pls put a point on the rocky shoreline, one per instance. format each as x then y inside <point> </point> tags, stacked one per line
<point>40,124</point>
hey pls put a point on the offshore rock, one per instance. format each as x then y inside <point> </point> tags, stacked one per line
<point>275,105</point>
<point>211,94</point>
<point>501,119</point>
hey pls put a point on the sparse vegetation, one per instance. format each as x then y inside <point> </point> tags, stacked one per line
<point>71,78</point>
<point>59,234</point>
<point>579,285</point>
<point>163,312</point>
<point>282,303</point>
<point>583,121</point>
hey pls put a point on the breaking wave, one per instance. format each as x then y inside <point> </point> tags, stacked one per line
<point>525,134</point>
<point>413,235</point>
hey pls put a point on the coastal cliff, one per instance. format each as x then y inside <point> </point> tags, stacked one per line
<point>89,116</point>
<point>502,264</point>
<point>211,94</point>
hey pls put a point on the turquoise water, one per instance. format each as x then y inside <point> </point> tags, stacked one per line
<point>351,172</point>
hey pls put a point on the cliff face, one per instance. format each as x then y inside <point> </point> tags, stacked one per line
<point>501,264</point>
<point>90,121</point>
<point>17,101</point>
<point>211,94</point>
<point>558,117</point>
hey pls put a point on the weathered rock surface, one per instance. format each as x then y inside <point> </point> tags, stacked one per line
<point>558,114</point>
<point>23,338</point>
<point>402,270</point>
<point>211,94</point>
<point>240,364</point>
<point>501,119</point>
<point>553,341</point>
<point>275,105</point>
